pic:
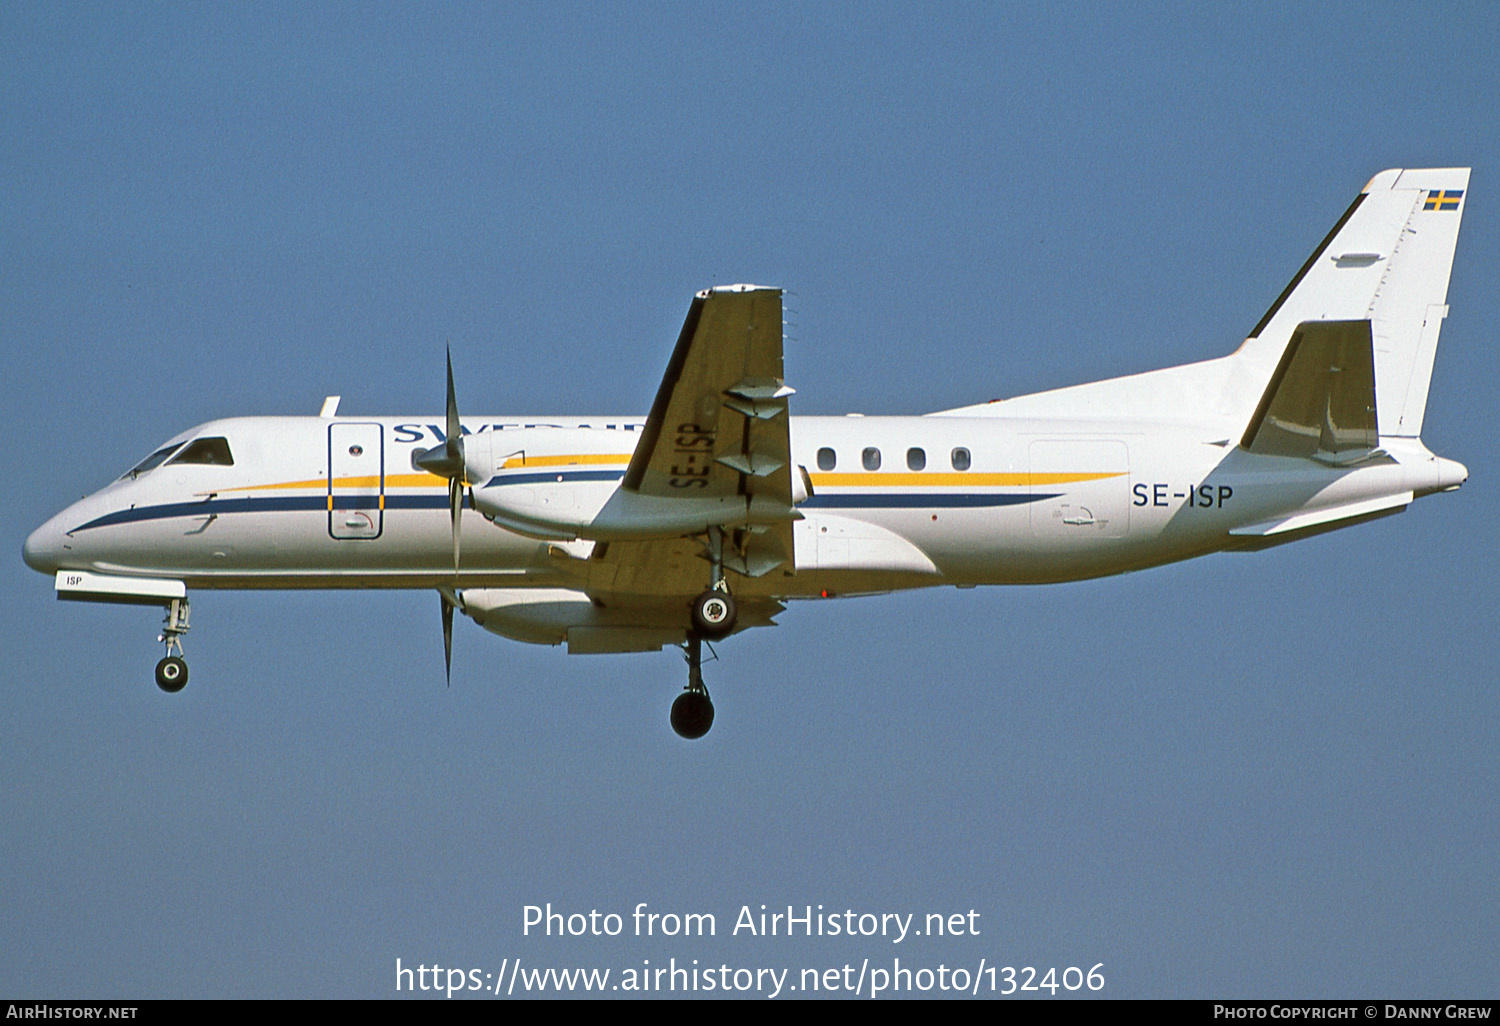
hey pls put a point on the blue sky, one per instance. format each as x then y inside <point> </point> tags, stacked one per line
<point>1268,774</point>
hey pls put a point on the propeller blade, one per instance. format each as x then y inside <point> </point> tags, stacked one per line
<point>455,442</point>
<point>447,638</point>
<point>455,447</point>
<point>447,460</point>
<point>455,511</point>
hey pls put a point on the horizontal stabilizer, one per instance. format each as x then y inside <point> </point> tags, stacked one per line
<point>1296,525</point>
<point>1321,401</point>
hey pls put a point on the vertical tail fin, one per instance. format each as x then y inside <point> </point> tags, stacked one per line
<point>1387,261</point>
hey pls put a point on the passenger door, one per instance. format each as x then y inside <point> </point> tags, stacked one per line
<point>356,480</point>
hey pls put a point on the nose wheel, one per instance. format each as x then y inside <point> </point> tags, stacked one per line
<point>172,674</point>
<point>172,670</point>
<point>693,711</point>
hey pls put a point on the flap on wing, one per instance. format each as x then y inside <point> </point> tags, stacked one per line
<point>1321,400</point>
<point>665,574</point>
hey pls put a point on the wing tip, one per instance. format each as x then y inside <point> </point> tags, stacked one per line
<point>741,287</point>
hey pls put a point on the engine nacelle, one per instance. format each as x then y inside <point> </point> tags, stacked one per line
<point>586,501</point>
<point>548,505</point>
<point>553,616</point>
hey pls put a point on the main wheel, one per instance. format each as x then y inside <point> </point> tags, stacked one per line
<point>692,715</point>
<point>714,614</point>
<point>171,674</point>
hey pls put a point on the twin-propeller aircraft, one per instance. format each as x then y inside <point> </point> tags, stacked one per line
<point>622,534</point>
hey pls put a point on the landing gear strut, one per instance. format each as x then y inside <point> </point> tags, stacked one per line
<point>714,611</point>
<point>172,671</point>
<point>693,712</point>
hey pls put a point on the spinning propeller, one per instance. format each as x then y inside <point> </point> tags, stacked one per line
<point>447,460</point>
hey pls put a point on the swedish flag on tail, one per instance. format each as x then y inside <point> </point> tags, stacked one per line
<point>1443,199</point>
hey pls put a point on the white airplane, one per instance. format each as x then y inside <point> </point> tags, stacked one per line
<point>623,534</point>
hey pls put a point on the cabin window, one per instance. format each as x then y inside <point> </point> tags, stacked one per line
<point>871,458</point>
<point>827,459</point>
<point>153,461</point>
<point>961,460</point>
<point>210,451</point>
<point>916,459</point>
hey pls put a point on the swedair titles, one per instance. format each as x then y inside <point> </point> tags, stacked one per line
<point>794,922</point>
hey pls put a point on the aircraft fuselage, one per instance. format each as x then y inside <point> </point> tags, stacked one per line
<point>312,502</point>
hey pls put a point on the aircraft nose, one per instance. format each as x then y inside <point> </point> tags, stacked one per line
<point>43,548</point>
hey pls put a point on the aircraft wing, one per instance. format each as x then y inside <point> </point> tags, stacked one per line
<point>719,426</point>
<point>719,423</point>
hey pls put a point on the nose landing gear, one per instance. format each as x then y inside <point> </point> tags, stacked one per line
<point>172,670</point>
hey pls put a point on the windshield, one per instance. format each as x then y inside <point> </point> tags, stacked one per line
<point>212,451</point>
<point>153,461</point>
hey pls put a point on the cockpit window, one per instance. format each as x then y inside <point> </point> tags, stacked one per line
<point>212,451</point>
<point>153,461</point>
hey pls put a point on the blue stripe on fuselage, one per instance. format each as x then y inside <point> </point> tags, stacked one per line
<point>319,503</point>
<point>266,504</point>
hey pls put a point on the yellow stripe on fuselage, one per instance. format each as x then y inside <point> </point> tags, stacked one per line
<point>368,481</point>
<point>565,461</point>
<point>868,479</point>
<point>432,480</point>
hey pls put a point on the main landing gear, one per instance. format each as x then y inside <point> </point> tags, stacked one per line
<point>714,611</point>
<point>713,616</point>
<point>693,712</point>
<point>172,671</point>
